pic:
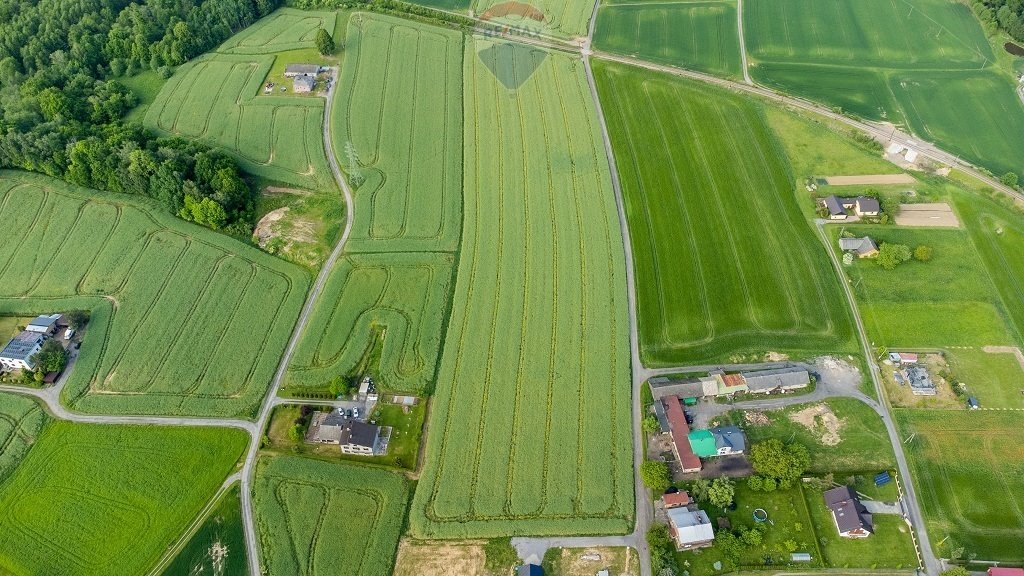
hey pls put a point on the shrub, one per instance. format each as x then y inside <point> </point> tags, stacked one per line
<point>655,476</point>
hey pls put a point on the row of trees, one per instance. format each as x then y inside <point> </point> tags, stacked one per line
<point>1005,15</point>
<point>62,110</point>
<point>892,255</point>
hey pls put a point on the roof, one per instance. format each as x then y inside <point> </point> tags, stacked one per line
<point>679,429</point>
<point>301,69</point>
<point>867,204</point>
<point>971,400</point>
<point>22,345</point>
<point>681,498</point>
<point>771,379</point>
<point>360,434</point>
<point>997,571</point>
<point>733,380</point>
<point>908,357</point>
<point>847,510</point>
<point>800,557</point>
<point>919,378</point>
<point>691,527</point>
<point>333,418</point>
<point>730,437</point>
<point>684,388</point>
<point>703,443</point>
<point>659,413</point>
<point>861,246</point>
<point>306,82</point>
<point>45,321</point>
<point>530,570</point>
<point>833,206</point>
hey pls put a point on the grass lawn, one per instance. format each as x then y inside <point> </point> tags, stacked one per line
<point>889,547</point>
<point>968,467</point>
<point>98,499</point>
<point>10,325</point>
<point>218,547</point>
<point>996,379</point>
<point>146,85</point>
<point>863,443</point>
<point>715,282</point>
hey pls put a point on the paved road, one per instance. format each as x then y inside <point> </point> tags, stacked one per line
<point>251,542</point>
<point>932,566</point>
<point>743,43</point>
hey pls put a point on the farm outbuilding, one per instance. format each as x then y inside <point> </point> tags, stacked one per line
<point>688,461</point>
<point>863,247</point>
<point>781,379</point>
<point>303,84</point>
<point>690,528</point>
<point>296,70</point>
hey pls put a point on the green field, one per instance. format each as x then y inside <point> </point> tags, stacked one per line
<point>218,547</point>
<point>651,31</point>
<point>924,64</point>
<point>863,445</point>
<point>184,320</point>
<point>530,427</point>
<point>968,467</point>
<point>997,380</point>
<point>400,111</point>
<point>565,18</point>
<point>21,419</point>
<point>97,499</point>
<point>218,99</point>
<point>320,518</point>
<point>725,262</point>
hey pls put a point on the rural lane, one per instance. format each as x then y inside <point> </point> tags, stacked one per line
<point>743,43</point>
<point>248,469</point>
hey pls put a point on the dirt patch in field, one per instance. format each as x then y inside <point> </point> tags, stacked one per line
<point>282,232</point>
<point>822,421</point>
<point>589,561</point>
<point>1007,350</point>
<point>465,558</point>
<point>933,215</point>
<point>272,190</point>
<point>518,9</point>
<point>870,179</point>
<point>775,357</point>
<point>1013,49</point>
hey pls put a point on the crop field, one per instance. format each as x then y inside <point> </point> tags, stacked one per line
<point>218,547</point>
<point>218,99</point>
<point>400,111</point>
<point>725,262</point>
<point>698,35</point>
<point>21,419</point>
<point>284,29</point>
<point>530,428</point>
<point>402,296</point>
<point>184,320</point>
<point>968,467</point>
<point>565,18</point>
<point>949,301</point>
<point>97,499</point>
<point>925,64</point>
<point>318,518</point>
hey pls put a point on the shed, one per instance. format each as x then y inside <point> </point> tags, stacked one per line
<point>681,387</point>
<point>972,402</point>
<point>303,84</point>
<point>43,324</point>
<point>676,499</point>
<point>764,381</point>
<point>293,70</point>
<point>800,557</point>
<point>688,461</point>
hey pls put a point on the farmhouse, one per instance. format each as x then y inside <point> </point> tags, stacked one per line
<point>721,441</point>
<point>839,208</point>
<point>326,427</point>
<point>851,517</point>
<point>865,206</point>
<point>863,247</point>
<point>296,70</point>
<point>19,352</point>
<point>45,324</point>
<point>690,528</point>
<point>303,84</point>
<point>360,438</point>
<point>779,380</point>
<point>679,429</point>
<point>676,499</point>
<point>834,208</point>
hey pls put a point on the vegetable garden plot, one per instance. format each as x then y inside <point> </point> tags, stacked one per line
<point>725,262</point>
<point>530,429</point>
<point>185,320</point>
<point>398,117</point>
<point>95,499</point>
<point>21,419</point>
<point>319,518</point>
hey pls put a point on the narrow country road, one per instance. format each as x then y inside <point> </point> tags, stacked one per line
<point>743,43</point>
<point>248,469</point>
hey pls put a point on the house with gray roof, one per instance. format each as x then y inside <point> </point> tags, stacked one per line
<point>44,324</point>
<point>834,208</point>
<point>303,84</point>
<point>19,354</point>
<point>360,438</point>
<point>684,388</point>
<point>851,517</point>
<point>295,70</point>
<point>863,247</point>
<point>690,528</point>
<point>778,380</point>
<point>729,440</point>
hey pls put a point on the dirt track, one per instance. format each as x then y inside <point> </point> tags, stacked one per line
<point>870,179</point>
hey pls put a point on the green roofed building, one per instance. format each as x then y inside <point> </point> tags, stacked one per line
<point>703,443</point>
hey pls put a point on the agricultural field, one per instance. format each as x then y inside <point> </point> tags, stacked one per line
<point>726,264</point>
<point>99,499</point>
<point>697,35</point>
<point>996,379</point>
<point>185,321</point>
<point>398,119</point>
<point>967,466</point>
<point>564,18</point>
<point>21,419</point>
<point>924,64</point>
<point>317,518</point>
<point>441,558</point>
<point>218,547</point>
<point>218,99</point>
<point>842,435</point>
<point>530,427</point>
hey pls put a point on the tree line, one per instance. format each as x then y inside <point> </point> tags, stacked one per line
<point>62,109</point>
<point>1005,15</point>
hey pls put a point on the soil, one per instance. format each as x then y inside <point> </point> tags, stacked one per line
<point>465,558</point>
<point>264,230</point>
<point>870,179</point>
<point>822,421</point>
<point>1013,49</point>
<point>588,561</point>
<point>754,418</point>
<point>295,232</point>
<point>775,357</point>
<point>272,190</point>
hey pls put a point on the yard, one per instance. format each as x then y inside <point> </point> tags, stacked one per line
<point>995,378</point>
<point>587,561</point>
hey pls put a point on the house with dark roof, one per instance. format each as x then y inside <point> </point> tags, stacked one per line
<point>360,438</point>
<point>834,208</point>
<point>295,70</point>
<point>679,430</point>
<point>920,381</point>
<point>729,440</point>
<point>326,427</point>
<point>19,354</point>
<point>863,247</point>
<point>865,206</point>
<point>778,380</point>
<point>44,324</point>
<point>303,84</point>
<point>851,517</point>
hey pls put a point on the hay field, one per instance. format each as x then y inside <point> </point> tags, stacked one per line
<point>317,518</point>
<point>21,419</point>
<point>968,467</point>
<point>185,321</point>
<point>100,500</point>
<point>218,99</point>
<point>726,263</point>
<point>400,109</point>
<point>565,18</point>
<point>923,64</point>
<point>530,428</point>
<point>698,35</point>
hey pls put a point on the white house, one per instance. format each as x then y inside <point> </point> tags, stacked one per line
<point>690,529</point>
<point>360,438</point>
<point>19,352</point>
